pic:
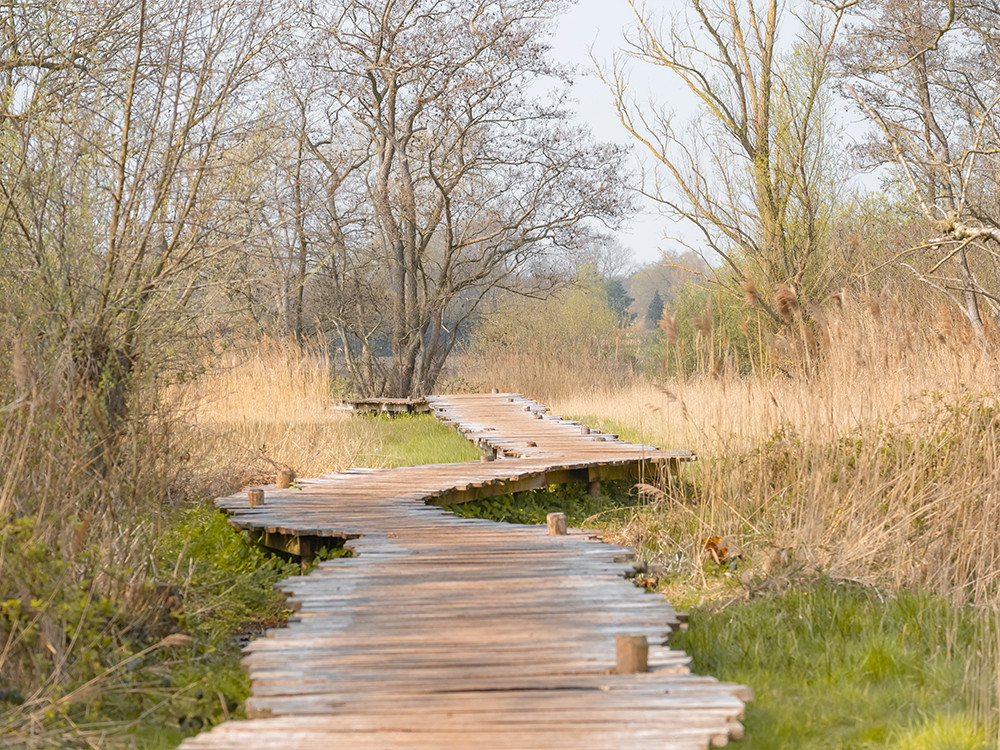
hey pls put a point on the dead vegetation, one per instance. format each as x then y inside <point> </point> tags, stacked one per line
<point>858,443</point>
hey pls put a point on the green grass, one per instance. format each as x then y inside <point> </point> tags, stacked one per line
<point>226,586</point>
<point>151,667</point>
<point>533,506</point>
<point>841,667</point>
<point>412,439</point>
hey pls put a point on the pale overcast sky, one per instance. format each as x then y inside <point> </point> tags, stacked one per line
<point>600,24</point>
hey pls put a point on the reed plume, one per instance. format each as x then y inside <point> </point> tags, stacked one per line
<point>946,324</point>
<point>750,290</point>
<point>668,323</point>
<point>703,322</point>
<point>786,300</point>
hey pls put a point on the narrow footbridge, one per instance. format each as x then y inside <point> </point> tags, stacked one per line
<point>445,632</point>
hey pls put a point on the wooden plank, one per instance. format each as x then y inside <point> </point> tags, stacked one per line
<point>451,633</point>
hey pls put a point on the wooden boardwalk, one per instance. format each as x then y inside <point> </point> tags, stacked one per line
<point>443,632</point>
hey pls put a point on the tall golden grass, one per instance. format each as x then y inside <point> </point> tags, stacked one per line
<point>864,445</point>
<point>878,462</point>
<point>265,407</point>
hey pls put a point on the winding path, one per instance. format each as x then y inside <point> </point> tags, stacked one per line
<point>444,632</point>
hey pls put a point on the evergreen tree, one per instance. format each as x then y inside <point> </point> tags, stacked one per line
<point>618,300</point>
<point>655,311</point>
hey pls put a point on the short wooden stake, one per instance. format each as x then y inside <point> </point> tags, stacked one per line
<point>633,654</point>
<point>585,430</point>
<point>255,497</point>
<point>284,479</point>
<point>556,523</point>
<point>306,551</point>
<point>486,458</point>
<point>496,390</point>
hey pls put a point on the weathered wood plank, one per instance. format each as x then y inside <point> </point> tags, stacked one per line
<point>451,633</point>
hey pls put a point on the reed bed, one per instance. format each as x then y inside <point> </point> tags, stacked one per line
<point>862,446</point>
<point>265,407</point>
<point>877,462</point>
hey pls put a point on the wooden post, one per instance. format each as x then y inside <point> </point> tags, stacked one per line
<point>255,497</point>
<point>496,390</point>
<point>306,551</point>
<point>556,523</point>
<point>584,430</point>
<point>633,654</point>
<point>284,479</point>
<point>594,488</point>
<point>486,458</point>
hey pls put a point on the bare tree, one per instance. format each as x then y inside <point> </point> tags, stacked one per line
<point>926,76</point>
<point>450,122</point>
<point>754,175</point>
<point>126,176</point>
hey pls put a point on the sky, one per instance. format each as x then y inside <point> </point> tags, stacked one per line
<point>599,25</point>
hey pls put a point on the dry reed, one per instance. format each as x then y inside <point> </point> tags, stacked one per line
<point>750,291</point>
<point>878,463</point>
<point>881,465</point>
<point>267,407</point>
